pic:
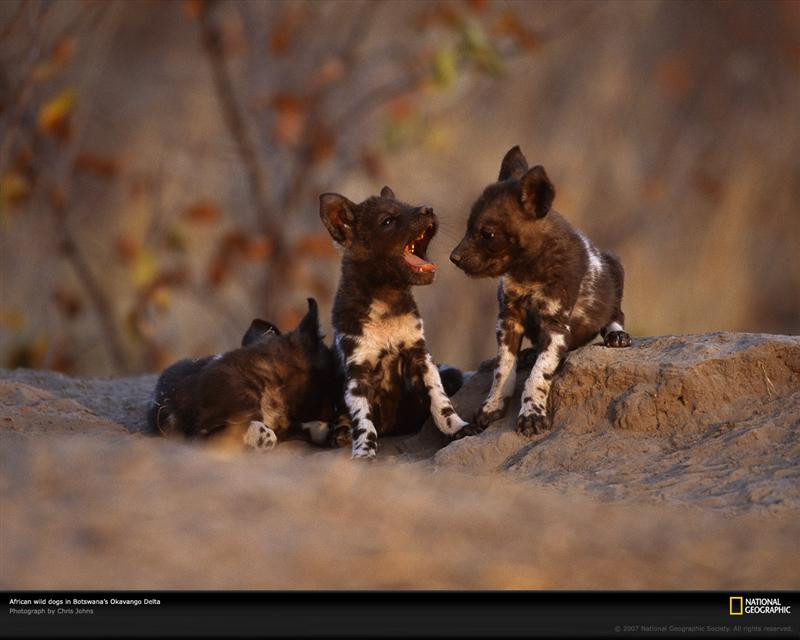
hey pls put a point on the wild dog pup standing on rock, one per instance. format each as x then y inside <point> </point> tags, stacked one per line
<point>556,287</point>
<point>391,384</point>
<point>275,387</point>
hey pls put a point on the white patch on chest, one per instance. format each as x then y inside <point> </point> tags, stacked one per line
<point>384,331</point>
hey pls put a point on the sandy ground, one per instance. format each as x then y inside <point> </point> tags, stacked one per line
<point>672,464</point>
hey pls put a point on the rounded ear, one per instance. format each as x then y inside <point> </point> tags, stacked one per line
<point>387,193</point>
<point>536,192</point>
<point>338,215</point>
<point>514,165</point>
<point>259,330</point>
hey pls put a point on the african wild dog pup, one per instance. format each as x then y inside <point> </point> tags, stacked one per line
<point>276,386</point>
<point>390,382</point>
<point>556,287</point>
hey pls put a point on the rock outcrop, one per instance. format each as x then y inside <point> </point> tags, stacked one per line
<point>711,419</point>
<point>671,464</point>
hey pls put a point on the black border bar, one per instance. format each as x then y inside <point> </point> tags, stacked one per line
<point>354,614</point>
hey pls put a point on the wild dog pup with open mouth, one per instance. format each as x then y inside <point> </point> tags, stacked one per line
<point>556,287</point>
<point>276,386</point>
<point>391,384</point>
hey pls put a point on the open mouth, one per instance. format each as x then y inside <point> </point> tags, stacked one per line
<point>414,251</point>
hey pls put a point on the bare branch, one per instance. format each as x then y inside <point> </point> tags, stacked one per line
<point>237,127</point>
<point>12,23</point>
<point>59,187</point>
<point>359,29</point>
<point>104,310</point>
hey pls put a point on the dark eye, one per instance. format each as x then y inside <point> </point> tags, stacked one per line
<point>388,221</point>
<point>487,234</point>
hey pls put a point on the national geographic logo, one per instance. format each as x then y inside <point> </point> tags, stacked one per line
<point>739,606</point>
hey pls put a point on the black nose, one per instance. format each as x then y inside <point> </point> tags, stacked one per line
<point>455,258</point>
<point>426,211</point>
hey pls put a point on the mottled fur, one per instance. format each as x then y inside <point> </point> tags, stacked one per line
<point>390,382</point>
<point>556,288</point>
<point>255,395</point>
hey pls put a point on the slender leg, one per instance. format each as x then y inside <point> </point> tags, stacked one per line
<point>509,339</point>
<point>364,433</point>
<point>613,333</point>
<point>533,414</point>
<point>444,415</point>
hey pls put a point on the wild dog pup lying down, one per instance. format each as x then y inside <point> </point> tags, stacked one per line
<point>556,287</point>
<point>274,387</point>
<point>390,382</point>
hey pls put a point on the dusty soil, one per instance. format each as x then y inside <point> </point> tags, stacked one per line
<point>672,464</point>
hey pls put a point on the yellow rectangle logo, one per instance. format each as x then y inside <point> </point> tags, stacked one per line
<point>737,605</point>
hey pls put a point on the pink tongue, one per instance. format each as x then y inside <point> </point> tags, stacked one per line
<point>415,261</point>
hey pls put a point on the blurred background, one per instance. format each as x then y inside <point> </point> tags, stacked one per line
<point>160,162</point>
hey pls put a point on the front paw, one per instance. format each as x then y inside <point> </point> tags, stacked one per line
<point>484,418</point>
<point>469,429</point>
<point>532,424</point>
<point>617,339</point>
<point>365,447</point>
<point>367,455</point>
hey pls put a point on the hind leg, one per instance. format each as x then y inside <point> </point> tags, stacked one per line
<point>614,334</point>
<point>452,379</point>
<point>414,408</point>
<point>260,437</point>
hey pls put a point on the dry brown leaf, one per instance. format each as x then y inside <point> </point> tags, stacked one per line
<point>102,166</point>
<point>193,8</point>
<point>322,146</point>
<point>257,249</point>
<point>68,302</point>
<point>510,25</point>
<point>127,248</point>
<point>331,70</point>
<point>55,113</point>
<point>282,36</point>
<point>439,14</point>
<point>478,6</point>
<point>12,318</point>
<point>673,75</point>
<point>59,57</point>
<point>315,245</point>
<point>202,211</point>
<point>708,185</point>
<point>218,270</point>
<point>14,188</point>
<point>289,118</point>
